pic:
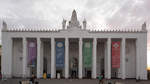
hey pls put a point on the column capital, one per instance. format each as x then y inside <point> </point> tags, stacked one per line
<point>52,39</point>
<point>24,37</point>
<point>80,38</point>
<point>38,38</point>
<point>24,40</point>
<point>109,38</point>
<point>123,38</point>
<point>95,40</point>
<point>66,39</point>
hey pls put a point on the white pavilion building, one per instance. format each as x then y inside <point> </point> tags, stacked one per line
<point>74,51</point>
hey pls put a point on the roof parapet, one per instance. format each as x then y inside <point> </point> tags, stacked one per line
<point>48,28</point>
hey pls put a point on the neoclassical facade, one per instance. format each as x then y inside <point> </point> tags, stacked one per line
<point>74,51</point>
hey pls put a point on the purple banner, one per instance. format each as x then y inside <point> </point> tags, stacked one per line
<point>32,52</point>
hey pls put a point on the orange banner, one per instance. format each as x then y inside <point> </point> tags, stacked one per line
<point>115,54</point>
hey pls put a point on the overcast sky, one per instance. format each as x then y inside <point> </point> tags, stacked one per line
<point>123,13</point>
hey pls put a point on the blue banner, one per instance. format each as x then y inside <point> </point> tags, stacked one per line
<point>60,54</point>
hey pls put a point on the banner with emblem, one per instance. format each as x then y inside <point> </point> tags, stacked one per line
<point>115,54</point>
<point>87,54</point>
<point>32,52</point>
<point>60,54</point>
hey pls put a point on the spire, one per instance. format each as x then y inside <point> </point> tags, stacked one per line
<point>74,16</point>
<point>74,21</point>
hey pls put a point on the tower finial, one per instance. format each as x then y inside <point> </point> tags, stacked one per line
<point>74,16</point>
<point>63,23</point>
<point>74,21</point>
<point>84,23</point>
<point>144,27</point>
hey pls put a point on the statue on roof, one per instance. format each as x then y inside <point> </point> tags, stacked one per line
<point>84,23</point>
<point>144,27</point>
<point>4,26</point>
<point>63,24</point>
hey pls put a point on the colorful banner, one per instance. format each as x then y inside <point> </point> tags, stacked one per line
<point>60,54</point>
<point>87,54</point>
<point>32,52</point>
<point>115,54</point>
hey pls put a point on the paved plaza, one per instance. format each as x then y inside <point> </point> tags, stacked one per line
<point>76,81</point>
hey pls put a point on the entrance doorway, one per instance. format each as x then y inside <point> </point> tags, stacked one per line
<point>87,53</point>
<point>60,57</point>
<point>115,58</point>
<point>46,51</point>
<point>101,53</point>
<point>73,58</point>
<point>32,56</point>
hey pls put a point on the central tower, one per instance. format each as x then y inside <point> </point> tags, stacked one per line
<point>74,21</point>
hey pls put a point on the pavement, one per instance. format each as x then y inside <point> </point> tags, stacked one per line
<point>76,81</point>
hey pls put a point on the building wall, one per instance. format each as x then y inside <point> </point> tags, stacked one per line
<point>17,56</point>
<point>130,58</point>
<point>6,61</point>
<point>47,56</point>
<point>141,43</point>
<point>73,53</point>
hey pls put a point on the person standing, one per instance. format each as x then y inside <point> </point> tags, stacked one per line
<point>100,78</point>
<point>32,79</point>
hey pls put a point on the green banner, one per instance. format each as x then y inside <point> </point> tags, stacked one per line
<point>87,54</point>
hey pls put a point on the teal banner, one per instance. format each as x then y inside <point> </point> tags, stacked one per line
<point>87,54</point>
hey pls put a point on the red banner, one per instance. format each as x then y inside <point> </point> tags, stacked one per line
<point>115,54</point>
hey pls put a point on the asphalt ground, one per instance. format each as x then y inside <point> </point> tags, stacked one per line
<point>76,81</point>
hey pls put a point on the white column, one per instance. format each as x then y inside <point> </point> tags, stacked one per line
<point>105,61</point>
<point>53,68</point>
<point>39,58</point>
<point>66,58</point>
<point>109,58</point>
<point>80,58</point>
<point>94,58</point>
<point>11,54</point>
<point>24,57</point>
<point>123,57</point>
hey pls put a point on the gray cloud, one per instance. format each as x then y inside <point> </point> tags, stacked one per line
<point>97,12</point>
